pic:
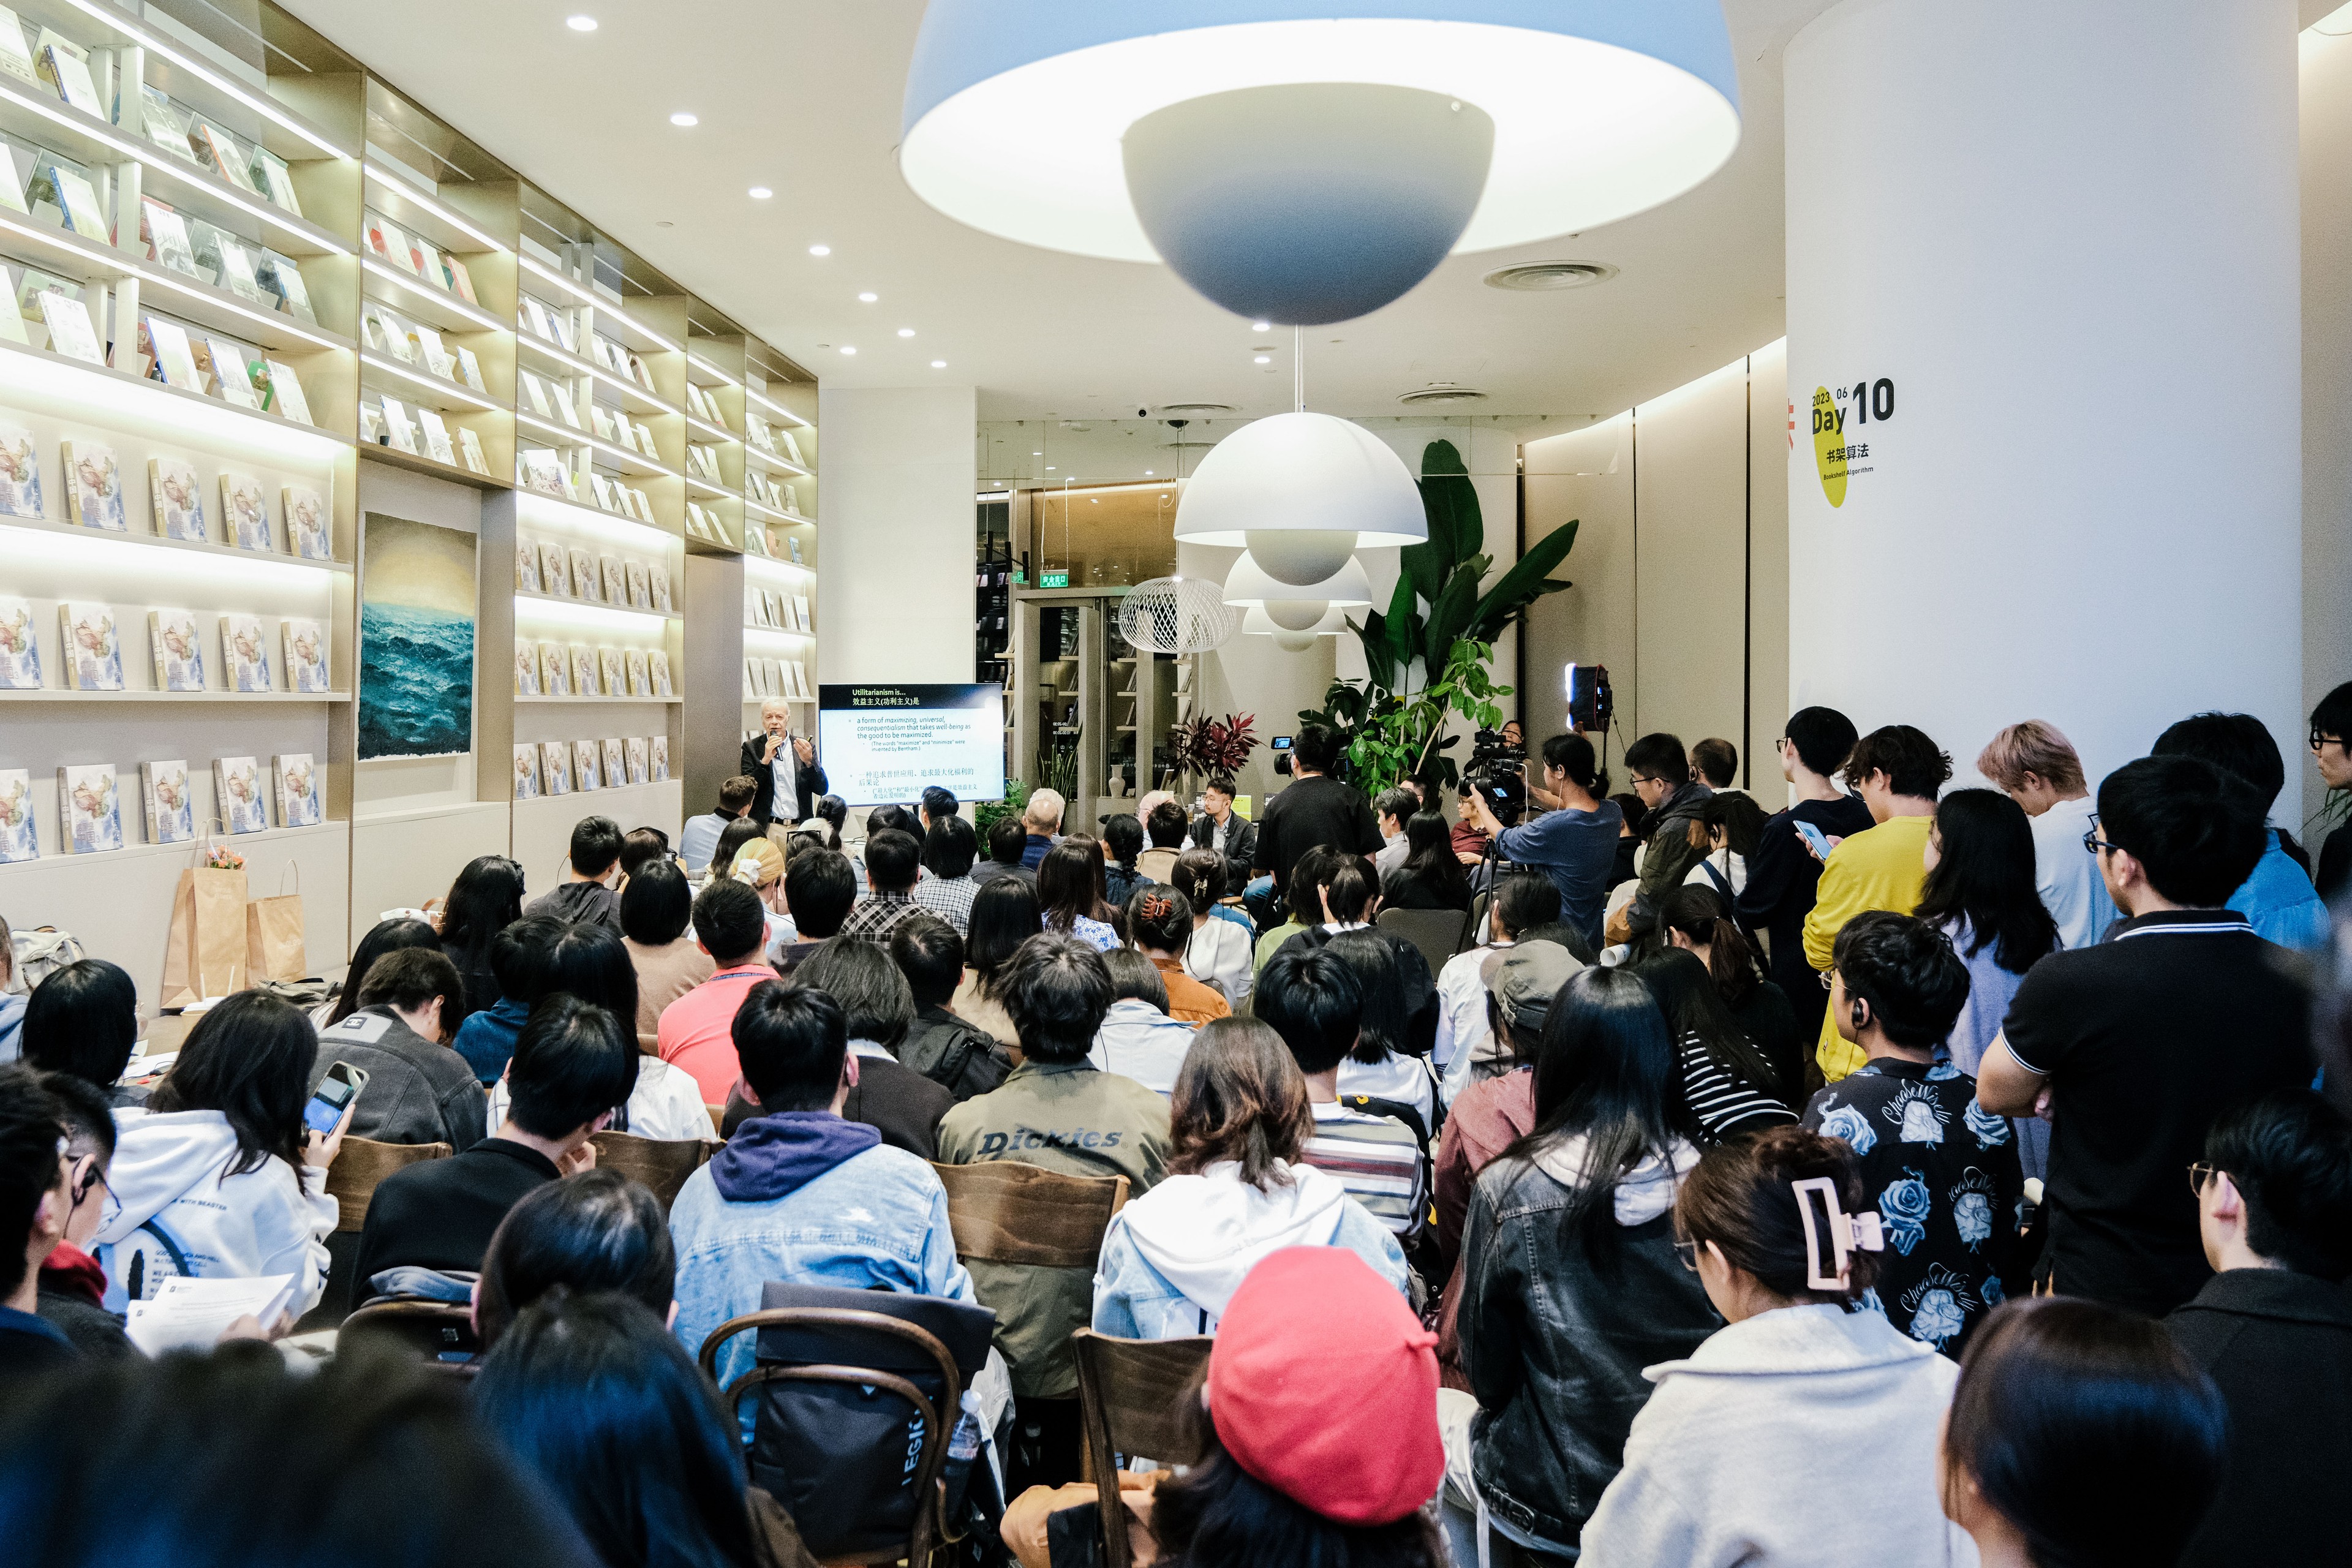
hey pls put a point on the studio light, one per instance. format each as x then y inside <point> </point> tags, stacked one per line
<point>1296,607</point>
<point>1301,492</point>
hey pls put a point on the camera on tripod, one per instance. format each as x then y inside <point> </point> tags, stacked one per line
<point>1497,772</point>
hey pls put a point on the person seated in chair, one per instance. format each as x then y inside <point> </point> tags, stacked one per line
<point>419,1091</point>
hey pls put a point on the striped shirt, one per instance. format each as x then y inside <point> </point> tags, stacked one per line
<point>1726,1104</point>
<point>1377,1159</point>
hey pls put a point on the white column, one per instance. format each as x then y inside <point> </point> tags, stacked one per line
<point>2058,246</point>
<point>895,526</point>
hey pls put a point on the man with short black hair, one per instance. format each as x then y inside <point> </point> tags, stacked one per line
<point>2277,899</point>
<point>695,1034</point>
<point>1165,827</point>
<point>893,861</point>
<point>1660,772</point>
<point>938,804</point>
<point>587,896</point>
<point>699,840</point>
<point>72,1284</point>
<point>1008,842</point>
<point>2272,1327</point>
<point>1715,762</point>
<point>1391,812</point>
<point>896,1101</point>
<point>1316,809</point>
<point>35,1196</point>
<point>821,890</point>
<point>575,1065</point>
<point>518,959</point>
<point>800,1195</point>
<point>948,848</point>
<point>1783,875</point>
<point>418,1089</point>
<point>2140,1040</point>
<point>1313,1000</point>
<point>964,1061</point>
<point>1229,833</point>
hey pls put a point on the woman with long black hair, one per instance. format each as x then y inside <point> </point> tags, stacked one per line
<point>1070,892</point>
<point>1731,1086</point>
<point>485,899</point>
<point>1433,877</point>
<point>1980,893</point>
<point>1698,920</point>
<point>1005,914</point>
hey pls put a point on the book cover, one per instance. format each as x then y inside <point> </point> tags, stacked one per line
<point>695,526</point>
<point>19,840</point>
<point>398,427</point>
<point>657,671</point>
<point>602,488</point>
<point>171,813</point>
<point>553,573</point>
<point>640,680</point>
<point>657,584</point>
<point>585,765</point>
<point>527,566</point>
<point>639,596</point>
<point>583,575</point>
<point>583,671</point>
<point>534,319</point>
<point>644,508</point>
<point>616,580</point>
<point>286,393</point>
<point>469,447</point>
<point>90,805</point>
<point>561,397</point>
<point>283,280</point>
<point>20,647</point>
<point>166,342</point>
<point>555,766</point>
<point>394,333</point>
<point>221,151</point>
<point>177,645</point>
<point>534,392</point>
<point>245,511</point>
<point>162,124</point>
<point>70,75</point>
<point>20,471</point>
<point>616,769</point>
<point>245,649</point>
<point>304,644</point>
<point>426,261</point>
<point>470,368</point>
<point>436,436</point>
<point>750,681</point>
<point>298,805</point>
<point>543,471</point>
<point>16,56</point>
<point>600,421</point>
<point>12,189</point>
<point>612,672</point>
<point>225,363</point>
<point>431,353</point>
<point>93,486</point>
<point>237,790</point>
<point>71,333</point>
<point>526,670</point>
<point>566,332</point>
<point>638,757</point>
<point>390,245</point>
<point>310,526</point>
<point>461,281</point>
<point>659,747</point>
<point>554,670</point>
<point>525,771</point>
<point>237,274</point>
<point>268,171</point>
<point>166,234</point>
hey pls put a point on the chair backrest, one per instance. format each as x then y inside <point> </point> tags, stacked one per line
<point>441,1332</point>
<point>1006,1211</point>
<point>1438,934</point>
<point>717,1119</point>
<point>1131,1399</point>
<point>1480,902</point>
<point>662,1165</point>
<point>362,1164</point>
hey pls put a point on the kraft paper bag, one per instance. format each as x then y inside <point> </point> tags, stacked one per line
<point>206,954</point>
<point>274,948</point>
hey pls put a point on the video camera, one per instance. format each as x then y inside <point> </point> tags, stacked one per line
<point>1498,772</point>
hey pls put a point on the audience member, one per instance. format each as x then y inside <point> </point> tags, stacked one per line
<point>1463,1040</point>
<point>1070,893</point>
<point>834,813</point>
<point>783,768</point>
<point>1570,1284</point>
<point>961,1057</point>
<point>876,1006</point>
<point>83,1020</point>
<point>590,964</point>
<point>485,899</point>
<point>573,1067</point>
<point>640,848</point>
<point>384,936</point>
<point>1002,918</point>
<point>948,846</point>
<point>2122,1035</point>
<point>1040,822</point>
<point>1226,832</point>
<point>1729,1084</point>
<point>1160,926</point>
<point>760,865</point>
<point>695,1034</point>
<point>770,1206</point>
<point>732,838</point>
<point>1430,876</point>
<point>1122,841</point>
<point>1008,846</point>
<point>593,1232</point>
<point>1942,1171</point>
<point>1316,810</point>
<point>937,804</point>
<point>893,861</point>
<point>1660,772</point>
<point>37,1195</point>
<point>1315,1002</point>
<point>1390,1063</point>
<point>71,1286</point>
<point>1784,873</point>
<point>518,959</point>
<point>12,1002</point>
<point>1725,831</point>
<point>821,885</point>
<point>700,838</point>
<point>1218,952</point>
<point>2277,897</point>
<point>1236,1193</point>
<point>1896,770</point>
<point>656,922</point>
<point>2273,1328</point>
<point>1698,920</point>
<point>2036,766</point>
<point>1715,762</point>
<point>2331,753</point>
<point>220,1179</point>
<point>1631,836</point>
<point>1577,844</point>
<point>1391,810</point>
<point>1165,825</point>
<point>1302,899</point>
<point>418,1089</point>
<point>587,894</point>
<point>1802,1368</point>
<point>1980,893</point>
<point>1138,1040</point>
<point>2082,1434</point>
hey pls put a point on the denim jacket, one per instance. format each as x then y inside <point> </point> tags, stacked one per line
<point>878,1221</point>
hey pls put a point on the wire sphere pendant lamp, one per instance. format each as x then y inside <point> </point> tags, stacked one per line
<point>1176,615</point>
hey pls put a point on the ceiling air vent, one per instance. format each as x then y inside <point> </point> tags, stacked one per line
<point>1441,391</point>
<point>1543,277</point>
<point>1192,410</point>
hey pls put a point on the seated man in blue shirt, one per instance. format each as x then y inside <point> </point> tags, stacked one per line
<point>700,839</point>
<point>2278,901</point>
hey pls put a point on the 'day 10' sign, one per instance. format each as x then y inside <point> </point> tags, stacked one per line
<point>1842,418</point>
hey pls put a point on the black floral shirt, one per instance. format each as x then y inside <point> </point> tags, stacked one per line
<point>1943,1173</point>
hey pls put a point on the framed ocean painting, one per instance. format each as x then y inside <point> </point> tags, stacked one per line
<point>417,638</point>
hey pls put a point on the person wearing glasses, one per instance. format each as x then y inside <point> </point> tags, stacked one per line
<point>37,1190</point>
<point>2331,749</point>
<point>2139,1042</point>
<point>72,1286</point>
<point>1662,777</point>
<point>2038,767</point>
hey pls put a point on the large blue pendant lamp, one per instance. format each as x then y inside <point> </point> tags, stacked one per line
<point>1302,166</point>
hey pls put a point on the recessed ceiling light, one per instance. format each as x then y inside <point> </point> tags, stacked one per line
<point>1097,500</point>
<point>868,298</point>
<point>683,117</point>
<point>820,250</point>
<point>905,331</point>
<point>939,365</point>
<point>1036,453</point>
<point>580,24</point>
<point>1261,326</point>
<point>1266,359</point>
<point>849,348</point>
<point>1147,473</point>
<point>1049,467</point>
<point>761,192</point>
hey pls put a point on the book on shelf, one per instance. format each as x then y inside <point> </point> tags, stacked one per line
<point>470,368</point>
<point>586,772</point>
<point>801,613</point>
<point>388,333</point>
<point>795,545</point>
<point>160,122</point>
<point>89,808</point>
<point>640,505</point>
<point>658,760</point>
<point>657,587</point>
<point>460,280</point>
<point>232,377</point>
<point>534,319</point>
<point>20,647</point>
<point>526,670</point>
<point>282,280</point>
<point>431,353</point>
<point>16,56</point>
<point>554,670</point>
<point>602,488</point>
<point>638,758</point>
<point>527,566</point>
<point>171,809</point>
<point>268,171</point>
<point>555,766</point>
<point>425,262</point>
<point>308,523</point>
<point>71,333</point>
<point>616,580</point>
<point>177,645</point>
<point>245,511</point>
<point>297,790</point>
<point>93,486</point>
<point>566,332</point>
<point>644,442</point>
<point>19,839</point>
<point>166,234</point>
<point>583,671</point>
<point>238,277</point>
<point>543,472</point>
<point>178,498</point>
<point>220,153</point>
<point>616,767</point>
<point>566,403</point>
<point>639,594</point>
<point>584,578</point>
<point>166,343</point>
<point>657,672</point>
<point>640,682</point>
<point>751,691</point>
<point>388,243</point>
<point>372,427</point>
<point>12,188</point>
<point>534,392</point>
<point>554,573</point>
<point>793,450</point>
<point>69,73</point>
<point>304,644</point>
<point>283,392</point>
<point>398,427</point>
<point>436,436</point>
<point>469,447</point>
<point>612,672</point>
<point>245,650</point>
<point>600,422</point>
<point>237,790</point>
<point>525,771</point>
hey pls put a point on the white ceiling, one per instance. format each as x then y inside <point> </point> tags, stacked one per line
<point>802,96</point>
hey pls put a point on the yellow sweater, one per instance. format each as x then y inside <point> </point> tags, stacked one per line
<point>1881,868</point>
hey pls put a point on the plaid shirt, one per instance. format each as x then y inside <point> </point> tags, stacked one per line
<point>950,897</point>
<point>878,917</point>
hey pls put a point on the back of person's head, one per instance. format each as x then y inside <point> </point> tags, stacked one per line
<point>84,1113</point>
<point>373,1460</point>
<point>821,887</point>
<point>485,899</point>
<point>1316,748</point>
<point>384,936</point>
<point>895,817</point>
<point>248,1057</point>
<point>1167,825</point>
<point>589,962</point>
<point>735,796</point>
<point>1122,838</point>
<point>1717,762</point>
<point>83,1019</point>
<point>1698,914</point>
<point>893,859</point>
<point>1200,876</point>
<point>731,840</point>
<point>1687,995</point>
<point>596,1399</point>
<point>1005,914</point>
<point>1070,882</point>
<point>930,953</point>
<point>1636,815</point>
<point>1905,972</point>
<point>1660,756</point>
<point>2237,744</point>
<point>1985,873</point>
<point>1239,1097</point>
<point>1380,1026</point>
<point>1914,766</point>
<point>600,1230</point>
<point>940,802</point>
<point>876,1001</point>
<point>1134,977</point>
<point>2196,829</point>
<point>1823,738</point>
<point>1057,991</point>
<point>948,847</point>
<point>1429,843</point>
<point>1303,897</point>
<point>1008,840</point>
<point>519,956</point>
<point>1043,812</point>
<point>1349,889</point>
<point>1736,815</point>
<point>413,978</point>
<point>834,812</point>
<point>1572,754</point>
<point>1742,1198</point>
<point>729,921</point>
<point>791,1041</point>
<point>2034,746</point>
<point>1158,919</point>
<point>573,1062</point>
<point>1397,805</point>
<point>596,845</point>
<point>30,1168</point>
<point>1526,901</point>
<point>2289,1154</point>
<point>1314,1000</point>
<point>640,848</point>
<point>758,865</point>
<point>2088,1430</point>
<point>656,905</point>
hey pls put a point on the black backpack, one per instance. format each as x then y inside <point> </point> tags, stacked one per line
<point>962,1059</point>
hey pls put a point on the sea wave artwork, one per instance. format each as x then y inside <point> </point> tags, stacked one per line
<point>416,639</point>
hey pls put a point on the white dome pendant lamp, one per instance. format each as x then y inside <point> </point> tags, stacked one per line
<point>1292,606</point>
<point>1301,166</point>
<point>1257,624</point>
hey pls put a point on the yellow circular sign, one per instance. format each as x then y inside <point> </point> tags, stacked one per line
<point>1829,446</point>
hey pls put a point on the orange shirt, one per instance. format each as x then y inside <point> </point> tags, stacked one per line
<point>1189,1001</point>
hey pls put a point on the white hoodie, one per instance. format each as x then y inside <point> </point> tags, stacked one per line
<point>168,1178</point>
<point>1643,1193</point>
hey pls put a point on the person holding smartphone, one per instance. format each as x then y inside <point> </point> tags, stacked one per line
<point>1785,872</point>
<point>783,767</point>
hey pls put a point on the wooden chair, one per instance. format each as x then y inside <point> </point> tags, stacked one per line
<point>661,1164</point>
<point>1131,1393</point>
<point>1438,934</point>
<point>1002,1211</point>
<point>442,1332</point>
<point>717,1119</point>
<point>363,1165</point>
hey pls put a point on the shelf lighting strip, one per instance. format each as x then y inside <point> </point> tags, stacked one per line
<point>393,274</point>
<point>456,389</point>
<point>589,297</point>
<point>582,438</point>
<point>778,409</point>
<point>716,432</point>
<point>787,519</point>
<point>260,104</point>
<point>773,461</point>
<point>707,368</point>
<point>162,277</point>
<point>589,367</point>
<point>409,192</point>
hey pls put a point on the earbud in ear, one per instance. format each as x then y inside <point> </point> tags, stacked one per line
<point>1861,1015</point>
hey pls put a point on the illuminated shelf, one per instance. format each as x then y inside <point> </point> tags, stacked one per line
<point>787,519</point>
<point>703,427</point>
<point>541,510</point>
<point>405,203</point>
<point>780,464</point>
<point>437,307</point>
<point>451,394</point>
<point>608,701</point>
<point>103,390</point>
<point>588,609</point>
<point>778,409</point>
<point>779,632</point>
<point>625,459</point>
<point>49,694</point>
<point>79,541</point>
<point>629,395</point>
<point>633,332</point>
<point>214,86</point>
<point>418,462</point>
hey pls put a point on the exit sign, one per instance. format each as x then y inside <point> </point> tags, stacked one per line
<point>1053,578</point>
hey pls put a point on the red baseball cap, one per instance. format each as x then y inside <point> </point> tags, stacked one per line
<point>1323,1384</point>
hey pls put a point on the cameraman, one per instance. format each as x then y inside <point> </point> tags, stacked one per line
<point>1314,809</point>
<point>1575,843</point>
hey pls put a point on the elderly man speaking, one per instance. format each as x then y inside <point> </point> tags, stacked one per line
<point>783,765</point>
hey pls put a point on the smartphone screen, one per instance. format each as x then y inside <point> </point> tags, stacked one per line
<point>330,1099</point>
<point>1816,838</point>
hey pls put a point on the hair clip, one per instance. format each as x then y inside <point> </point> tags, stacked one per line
<point>1849,1234</point>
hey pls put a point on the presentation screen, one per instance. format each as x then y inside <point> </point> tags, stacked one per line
<point>885,743</point>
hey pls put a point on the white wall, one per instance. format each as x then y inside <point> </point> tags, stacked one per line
<point>895,571</point>
<point>2326,140</point>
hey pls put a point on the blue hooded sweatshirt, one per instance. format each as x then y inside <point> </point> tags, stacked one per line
<point>772,1157</point>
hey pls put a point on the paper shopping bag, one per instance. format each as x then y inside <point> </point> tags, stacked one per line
<point>273,932</point>
<point>206,954</point>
